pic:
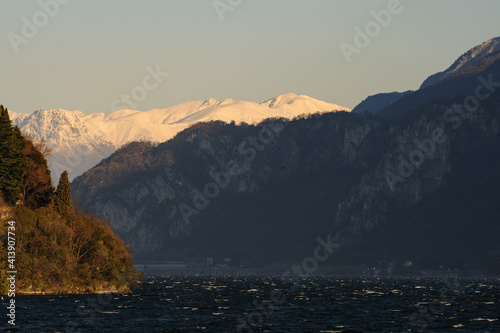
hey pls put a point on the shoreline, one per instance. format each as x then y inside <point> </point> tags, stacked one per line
<point>124,290</point>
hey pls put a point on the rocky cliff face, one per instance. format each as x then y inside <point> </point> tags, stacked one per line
<point>417,159</point>
<point>172,193</point>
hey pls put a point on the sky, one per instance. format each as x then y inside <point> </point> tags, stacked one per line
<point>104,55</point>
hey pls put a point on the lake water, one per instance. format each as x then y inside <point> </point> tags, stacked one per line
<point>259,304</point>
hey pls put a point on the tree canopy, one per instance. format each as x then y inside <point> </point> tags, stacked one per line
<point>62,199</point>
<point>13,163</point>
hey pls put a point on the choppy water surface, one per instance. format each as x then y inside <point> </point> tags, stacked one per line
<point>259,304</point>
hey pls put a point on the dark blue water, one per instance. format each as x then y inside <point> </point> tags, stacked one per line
<point>258,304</point>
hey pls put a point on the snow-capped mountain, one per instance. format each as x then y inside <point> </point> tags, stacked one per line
<point>467,59</point>
<point>80,141</point>
<point>76,145</point>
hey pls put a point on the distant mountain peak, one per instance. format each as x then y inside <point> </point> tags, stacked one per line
<point>17,117</point>
<point>292,101</point>
<point>58,113</point>
<point>486,48</point>
<point>227,101</point>
<point>377,102</point>
<point>281,99</point>
<point>208,103</point>
<point>467,59</point>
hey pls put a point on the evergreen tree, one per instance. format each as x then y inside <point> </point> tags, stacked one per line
<point>36,187</point>
<point>62,199</point>
<point>12,160</point>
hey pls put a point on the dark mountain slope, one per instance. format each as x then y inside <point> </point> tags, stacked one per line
<point>375,103</point>
<point>456,224</point>
<point>463,83</point>
<point>260,208</point>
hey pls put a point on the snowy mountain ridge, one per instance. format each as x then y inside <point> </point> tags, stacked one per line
<point>467,59</point>
<point>79,141</point>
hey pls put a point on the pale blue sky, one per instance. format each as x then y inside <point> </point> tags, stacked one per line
<point>93,51</point>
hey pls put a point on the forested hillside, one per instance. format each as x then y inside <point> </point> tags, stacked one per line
<point>54,247</point>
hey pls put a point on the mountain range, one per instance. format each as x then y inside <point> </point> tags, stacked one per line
<point>79,141</point>
<point>415,183</point>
